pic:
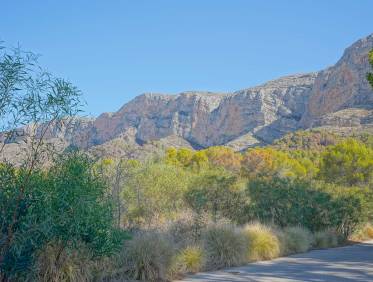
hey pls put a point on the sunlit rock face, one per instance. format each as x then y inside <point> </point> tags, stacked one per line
<point>341,86</point>
<point>335,98</point>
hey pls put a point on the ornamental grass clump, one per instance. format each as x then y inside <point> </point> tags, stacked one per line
<point>296,239</point>
<point>263,243</point>
<point>325,239</point>
<point>147,257</point>
<point>225,246</point>
<point>188,260</point>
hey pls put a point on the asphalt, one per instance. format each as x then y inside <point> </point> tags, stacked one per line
<point>350,263</point>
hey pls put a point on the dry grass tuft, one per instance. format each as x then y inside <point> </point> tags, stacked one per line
<point>325,239</point>
<point>225,246</point>
<point>188,260</point>
<point>147,257</point>
<point>57,262</point>
<point>296,240</point>
<point>263,243</point>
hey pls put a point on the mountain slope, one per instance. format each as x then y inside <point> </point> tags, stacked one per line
<point>338,98</point>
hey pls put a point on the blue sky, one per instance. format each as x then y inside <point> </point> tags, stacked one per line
<point>115,50</point>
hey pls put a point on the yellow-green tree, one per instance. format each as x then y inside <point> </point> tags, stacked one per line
<point>154,192</point>
<point>220,156</point>
<point>270,162</point>
<point>347,163</point>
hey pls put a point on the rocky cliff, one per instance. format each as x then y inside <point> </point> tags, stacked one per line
<point>336,97</point>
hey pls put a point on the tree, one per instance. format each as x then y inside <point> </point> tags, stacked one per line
<point>370,75</point>
<point>32,102</point>
<point>348,163</point>
<point>219,193</point>
<point>270,162</point>
<point>224,157</point>
<point>154,191</point>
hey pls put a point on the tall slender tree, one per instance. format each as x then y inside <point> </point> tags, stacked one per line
<point>370,74</point>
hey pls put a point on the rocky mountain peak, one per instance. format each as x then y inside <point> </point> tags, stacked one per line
<point>338,96</point>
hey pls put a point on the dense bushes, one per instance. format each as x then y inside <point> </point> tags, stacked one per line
<point>65,204</point>
<point>287,202</point>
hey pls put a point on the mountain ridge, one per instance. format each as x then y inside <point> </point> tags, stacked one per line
<point>336,97</point>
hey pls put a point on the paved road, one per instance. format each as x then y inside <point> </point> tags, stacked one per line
<point>351,263</point>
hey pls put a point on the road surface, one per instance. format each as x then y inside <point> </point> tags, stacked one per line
<point>351,263</point>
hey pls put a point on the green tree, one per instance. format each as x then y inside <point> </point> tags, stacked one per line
<point>32,102</point>
<point>219,193</point>
<point>348,163</point>
<point>370,75</point>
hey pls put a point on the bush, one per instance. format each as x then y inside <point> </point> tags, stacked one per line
<point>325,239</point>
<point>57,262</point>
<point>263,244</point>
<point>65,203</point>
<point>147,257</point>
<point>188,260</point>
<point>369,231</point>
<point>225,246</point>
<point>296,240</point>
<point>363,233</point>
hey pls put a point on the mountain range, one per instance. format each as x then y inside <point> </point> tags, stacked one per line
<point>338,99</point>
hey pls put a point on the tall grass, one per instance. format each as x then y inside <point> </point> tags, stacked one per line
<point>325,239</point>
<point>224,246</point>
<point>263,243</point>
<point>296,240</point>
<point>147,257</point>
<point>57,262</point>
<point>188,260</point>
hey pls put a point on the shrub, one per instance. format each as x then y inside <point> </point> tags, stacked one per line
<point>64,203</point>
<point>147,257</point>
<point>369,231</point>
<point>224,246</point>
<point>325,239</point>
<point>57,262</point>
<point>363,233</point>
<point>263,243</point>
<point>188,260</point>
<point>296,240</point>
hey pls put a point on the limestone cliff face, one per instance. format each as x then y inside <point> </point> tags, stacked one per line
<point>336,97</point>
<point>205,119</point>
<point>341,86</point>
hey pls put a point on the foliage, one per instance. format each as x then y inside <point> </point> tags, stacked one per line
<point>348,163</point>
<point>263,243</point>
<point>317,206</point>
<point>268,162</point>
<point>66,204</point>
<point>154,191</point>
<point>217,192</point>
<point>287,202</point>
<point>224,246</point>
<point>370,75</point>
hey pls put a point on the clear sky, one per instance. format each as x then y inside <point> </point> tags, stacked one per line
<point>115,50</point>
